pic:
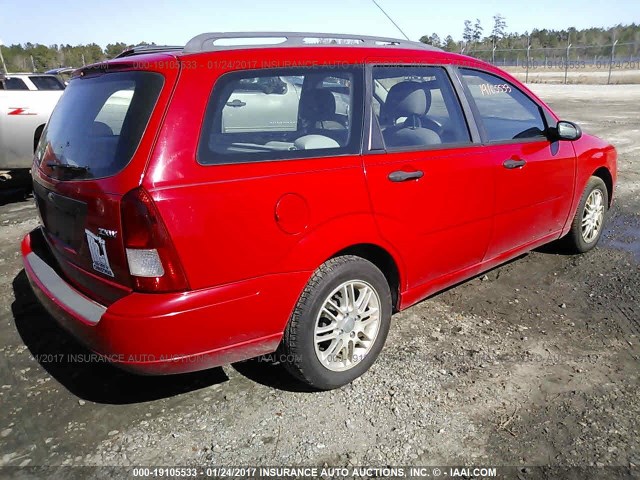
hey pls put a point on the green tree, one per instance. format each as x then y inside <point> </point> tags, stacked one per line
<point>435,40</point>
<point>114,49</point>
<point>477,31</point>
<point>432,39</point>
<point>450,44</point>
<point>499,28</point>
<point>467,34</point>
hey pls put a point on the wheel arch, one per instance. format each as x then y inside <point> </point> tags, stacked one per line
<point>36,136</point>
<point>382,259</point>
<point>604,174</point>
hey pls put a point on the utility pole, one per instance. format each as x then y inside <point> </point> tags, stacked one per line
<point>613,50</point>
<point>4,66</point>
<point>566,64</point>
<point>526,80</point>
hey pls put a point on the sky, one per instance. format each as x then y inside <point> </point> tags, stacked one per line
<point>175,22</point>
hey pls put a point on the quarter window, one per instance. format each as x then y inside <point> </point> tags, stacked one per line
<point>505,112</point>
<point>279,114</point>
<point>15,84</point>
<point>416,106</point>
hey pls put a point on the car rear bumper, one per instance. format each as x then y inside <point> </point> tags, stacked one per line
<point>172,332</point>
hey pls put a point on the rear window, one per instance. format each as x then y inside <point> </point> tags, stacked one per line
<point>97,125</point>
<point>46,82</point>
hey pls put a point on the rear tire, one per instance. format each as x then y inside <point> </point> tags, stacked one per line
<point>588,223</point>
<point>340,323</point>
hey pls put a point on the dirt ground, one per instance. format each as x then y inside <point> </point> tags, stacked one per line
<point>534,363</point>
<point>582,75</point>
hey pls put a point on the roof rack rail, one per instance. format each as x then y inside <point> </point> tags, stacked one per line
<point>208,42</point>
<point>142,49</point>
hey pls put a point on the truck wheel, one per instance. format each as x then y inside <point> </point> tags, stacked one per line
<point>588,222</point>
<point>340,323</point>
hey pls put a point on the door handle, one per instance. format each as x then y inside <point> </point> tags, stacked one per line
<point>511,163</point>
<point>236,103</point>
<point>402,176</point>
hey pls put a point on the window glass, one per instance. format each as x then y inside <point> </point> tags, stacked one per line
<point>114,110</point>
<point>98,123</point>
<point>12,83</point>
<point>281,114</point>
<point>506,113</point>
<point>416,106</point>
<point>46,82</point>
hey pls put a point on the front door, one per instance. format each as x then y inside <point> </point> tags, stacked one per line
<point>433,191</point>
<point>534,176</point>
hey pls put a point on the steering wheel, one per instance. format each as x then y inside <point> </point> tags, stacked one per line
<point>529,133</point>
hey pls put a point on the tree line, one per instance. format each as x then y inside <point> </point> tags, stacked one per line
<point>474,37</point>
<point>30,57</point>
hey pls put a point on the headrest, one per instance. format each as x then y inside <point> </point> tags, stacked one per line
<point>318,105</point>
<point>100,129</point>
<point>405,99</point>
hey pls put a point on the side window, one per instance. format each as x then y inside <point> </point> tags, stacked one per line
<point>46,83</point>
<point>416,106</point>
<point>505,112</point>
<point>15,84</point>
<point>280,114</point>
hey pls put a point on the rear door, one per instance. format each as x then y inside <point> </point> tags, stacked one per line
<point>92,151</point>
<point>433,199</point>
<point>247,202</point>
<point>534,177</point>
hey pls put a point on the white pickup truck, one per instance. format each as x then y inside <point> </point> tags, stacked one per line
<point>26,102</point>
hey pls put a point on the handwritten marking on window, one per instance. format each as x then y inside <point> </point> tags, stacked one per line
<point>491,89</point>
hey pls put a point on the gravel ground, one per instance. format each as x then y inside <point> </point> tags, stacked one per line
<point>583,75</point>
<point>534,363</point>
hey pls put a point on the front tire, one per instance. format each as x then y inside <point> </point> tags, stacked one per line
<point>340,323</point>
<point>588,223</point>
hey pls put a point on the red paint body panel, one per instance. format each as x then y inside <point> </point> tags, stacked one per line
<point>250,235</point>
<point>450,209</point>
<point>178,332</point>
<point>533,201</point>
<point>592,154</point>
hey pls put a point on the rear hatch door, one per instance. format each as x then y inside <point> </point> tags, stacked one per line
<point>93,150</point>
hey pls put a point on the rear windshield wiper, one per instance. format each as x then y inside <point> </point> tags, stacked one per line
<point>70,168</point>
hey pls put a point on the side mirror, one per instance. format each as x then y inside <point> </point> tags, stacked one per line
<point>567,131</point>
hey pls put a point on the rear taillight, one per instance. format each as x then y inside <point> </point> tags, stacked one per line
<point>153,262</point>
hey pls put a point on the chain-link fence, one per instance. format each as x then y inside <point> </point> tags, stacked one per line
<point>605,64</point>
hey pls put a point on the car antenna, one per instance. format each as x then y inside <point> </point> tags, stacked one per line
<point>390,19</point>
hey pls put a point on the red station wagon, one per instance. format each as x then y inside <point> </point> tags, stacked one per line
<point>213,203</point>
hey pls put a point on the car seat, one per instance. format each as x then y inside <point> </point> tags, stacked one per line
<point>411,101</point>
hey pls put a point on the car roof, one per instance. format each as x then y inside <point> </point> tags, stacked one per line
<point>351,48</point>
<point>220,41</point>
<point>216,41</point>
<point>143,57</point>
